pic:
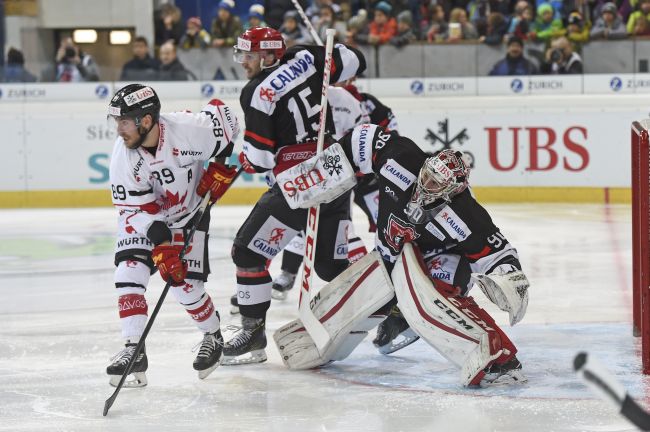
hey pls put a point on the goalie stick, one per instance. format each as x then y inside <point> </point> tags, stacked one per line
<point>313,326</point>
<point>603,383</point>
<point>203,208</point>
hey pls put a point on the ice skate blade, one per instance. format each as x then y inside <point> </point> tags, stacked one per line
<point>257,356</point>
<point>279,295</point>
<point>234,310</point>
<point>134,380</point>
<point>406,338</point>
<point>203,374</point>
<point>513,377</point>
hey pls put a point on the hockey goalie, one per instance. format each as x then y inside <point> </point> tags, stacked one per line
<point>436,242</point>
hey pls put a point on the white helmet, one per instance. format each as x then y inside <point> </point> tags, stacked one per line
<point>442,176</point>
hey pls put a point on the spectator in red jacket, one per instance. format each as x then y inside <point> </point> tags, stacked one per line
<point>383,27</point>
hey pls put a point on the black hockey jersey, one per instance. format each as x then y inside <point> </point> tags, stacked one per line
<point>461,226</point>
<point>282,104</point>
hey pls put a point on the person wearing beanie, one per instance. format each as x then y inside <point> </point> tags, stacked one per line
<point>577,30</point>
<point>226,26</point>
<point>405,34</point>
<point>255,17</point>
<point>546,27</point>
<point>609,24</point>
<point>195,35</point>
<point>293,32</point>
<point>383,27</point>
<point>514,63</point>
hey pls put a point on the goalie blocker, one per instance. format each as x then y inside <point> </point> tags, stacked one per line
<point>345,307</point>
<point>460,330</point>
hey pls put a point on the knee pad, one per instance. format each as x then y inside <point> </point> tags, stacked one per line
<point>131,277</point>
<point>245,258</point>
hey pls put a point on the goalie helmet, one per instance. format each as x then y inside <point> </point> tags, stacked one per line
<point>259,39</point>
<point>442,176</point>
<point>135,101</point>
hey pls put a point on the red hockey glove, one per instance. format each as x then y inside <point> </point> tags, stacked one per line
<point>216,179</point>
<point>167,259</point>
<point>246,166</point>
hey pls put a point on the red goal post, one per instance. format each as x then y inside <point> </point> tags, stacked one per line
<point>641,238</point>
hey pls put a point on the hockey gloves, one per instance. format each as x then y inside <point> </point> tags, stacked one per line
<point>216,179</point>
<point>245,164</point>
<point>172,269</point>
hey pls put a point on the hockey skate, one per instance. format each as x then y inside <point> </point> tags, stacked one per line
<point>234,305</point>
<point>394,333</point>
<point>282,284</point>
<point>504,374</point>
<point>137,377</point>
<point>209,354</point>
<point>247,345</point>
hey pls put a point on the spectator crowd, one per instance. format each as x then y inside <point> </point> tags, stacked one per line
<point>560,27</point>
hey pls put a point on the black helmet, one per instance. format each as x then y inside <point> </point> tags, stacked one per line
<point>135,101</point>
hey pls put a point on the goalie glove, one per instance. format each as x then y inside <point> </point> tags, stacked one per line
<point>172,269</point>
<point>509,291</point>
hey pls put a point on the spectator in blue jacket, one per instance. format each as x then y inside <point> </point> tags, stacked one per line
<point>515,63</point>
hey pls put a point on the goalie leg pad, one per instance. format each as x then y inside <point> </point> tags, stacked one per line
<point>346,308</point>
<point>455,326</point>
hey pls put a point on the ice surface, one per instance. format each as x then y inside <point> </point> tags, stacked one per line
<point>59,327</point>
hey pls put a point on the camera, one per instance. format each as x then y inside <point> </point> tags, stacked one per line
<point>556,55</point>
<point>70,53</point>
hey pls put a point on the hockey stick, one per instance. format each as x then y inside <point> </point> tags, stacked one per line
<point>603,383</point>
<point>308,24</point>
<point>204,208</point>
<point>313,326</point>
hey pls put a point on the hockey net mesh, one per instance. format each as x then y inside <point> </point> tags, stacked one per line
<point>641,237</point>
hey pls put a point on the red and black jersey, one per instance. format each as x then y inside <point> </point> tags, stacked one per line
<point>282,104</point>
<point>461,226</point>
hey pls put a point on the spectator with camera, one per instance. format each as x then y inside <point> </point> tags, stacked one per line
<point>609,25</point>
<point>73,65</point>
<point>142,67</point>
<point>562,59</point>
<point>514,63</point>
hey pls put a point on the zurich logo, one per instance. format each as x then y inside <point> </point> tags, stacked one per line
<point>517,85</point>
<point>616,83</point>
<point>417,87</point>
<point>101,91</point>
<point>207,90</point>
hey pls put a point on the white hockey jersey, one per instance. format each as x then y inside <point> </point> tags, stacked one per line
<point>347,111</point>
<point>147,188</point>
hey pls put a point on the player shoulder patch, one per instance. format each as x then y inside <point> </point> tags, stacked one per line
<point>397,174</point>
<point>453,224</point>
<point>435,231</point>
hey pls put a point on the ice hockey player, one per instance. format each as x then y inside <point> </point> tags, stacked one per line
<point>157,180</point>
<point>347,113</point>
<point>438,241</point>
<point>281,103</point>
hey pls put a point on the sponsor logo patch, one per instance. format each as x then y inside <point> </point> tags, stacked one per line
<point>243,44</point>
<point>270,44</point>
<point>453,224</point>
<point>139,96</point>
<point>271,238</point>
<point>397,174</point>
<point>435,231</point>
<point>397,233</point>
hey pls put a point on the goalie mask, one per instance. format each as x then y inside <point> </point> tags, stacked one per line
<point>441,177</point>
<point>256,40</point>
